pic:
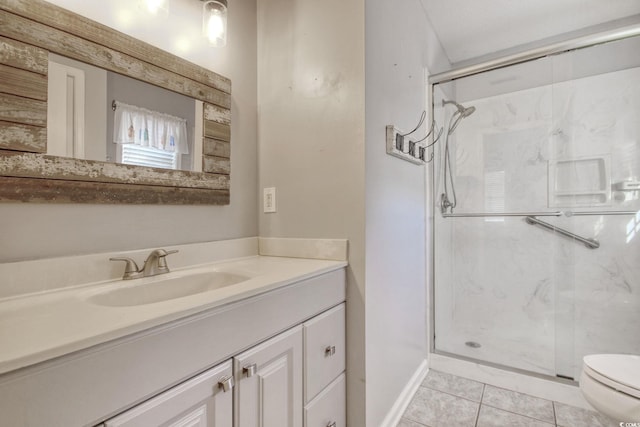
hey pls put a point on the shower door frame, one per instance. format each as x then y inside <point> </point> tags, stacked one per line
<point>504,61</point>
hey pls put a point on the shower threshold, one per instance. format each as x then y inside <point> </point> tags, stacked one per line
<point>541,386</point>
<point>561,379</point>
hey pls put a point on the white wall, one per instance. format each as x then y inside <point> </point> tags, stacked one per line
<point>311,98</point>
<point>400,48</point>
<point>311,92</point>
<point>311,141</point>
<point>39,231</point>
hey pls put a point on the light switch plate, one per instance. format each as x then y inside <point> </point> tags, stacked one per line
<point>269,199</point>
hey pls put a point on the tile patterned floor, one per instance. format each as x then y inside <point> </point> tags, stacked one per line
<point>447,400</point>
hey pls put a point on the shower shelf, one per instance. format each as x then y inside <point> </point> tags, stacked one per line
<point>580,181</point>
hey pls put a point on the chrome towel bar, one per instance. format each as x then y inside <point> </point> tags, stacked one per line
<point>498,214</point>
<point>552,213</point>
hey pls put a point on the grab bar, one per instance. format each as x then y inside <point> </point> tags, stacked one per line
<point>590,243</point>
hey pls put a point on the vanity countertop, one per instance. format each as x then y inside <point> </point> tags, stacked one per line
<point>39,327</point>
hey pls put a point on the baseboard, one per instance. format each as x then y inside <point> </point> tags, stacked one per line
<point>400,405</point>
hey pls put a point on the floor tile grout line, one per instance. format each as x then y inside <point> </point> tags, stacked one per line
<point>423,385</point>
<point>519,392</point>
<point>412,420</point>
<point>454,395</point>
<point>416,422</point>
<point>555,418</point>
<point>522,415</point>
<point>517,413</point>
<point>480,405</point>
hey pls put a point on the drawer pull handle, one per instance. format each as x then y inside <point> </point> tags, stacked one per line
<point>249,371</point>
<point>330,350</point>
<point>226,383</point>
<point>332,424</point>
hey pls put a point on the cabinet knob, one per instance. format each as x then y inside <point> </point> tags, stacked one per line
<point>250,370</point>
<point>330,350</point>
<point>332,424</point>
<point>226,383</point>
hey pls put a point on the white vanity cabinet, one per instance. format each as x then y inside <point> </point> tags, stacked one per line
<point>267,382</point>
<point>203,401</point>
<point>163,376</point>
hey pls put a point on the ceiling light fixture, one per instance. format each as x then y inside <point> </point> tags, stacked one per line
<point>214,21</point>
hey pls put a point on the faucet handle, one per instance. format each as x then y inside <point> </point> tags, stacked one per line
<point>162,252</point>
<point>130,268</point>
<point>162,261</point>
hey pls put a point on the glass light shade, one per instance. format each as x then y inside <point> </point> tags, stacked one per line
<point>214,22</point>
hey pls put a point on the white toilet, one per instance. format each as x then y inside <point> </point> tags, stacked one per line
<point>611,384</point>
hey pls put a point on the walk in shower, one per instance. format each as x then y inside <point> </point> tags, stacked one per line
<point>536,219</point>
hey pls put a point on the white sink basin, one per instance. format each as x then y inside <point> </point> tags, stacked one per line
<point>159,289</point>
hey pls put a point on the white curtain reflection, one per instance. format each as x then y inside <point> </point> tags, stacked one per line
<point>137,125</point>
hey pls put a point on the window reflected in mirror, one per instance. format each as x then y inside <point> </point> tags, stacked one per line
<point>95,114</point>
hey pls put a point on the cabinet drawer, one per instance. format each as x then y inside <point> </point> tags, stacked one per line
<point>201,401</point>
<point>329,407</point>
<point>324,350</point>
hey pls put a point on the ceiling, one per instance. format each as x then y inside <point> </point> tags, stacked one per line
<point>473,28</point>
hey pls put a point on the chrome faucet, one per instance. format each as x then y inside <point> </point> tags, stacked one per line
<point>155,264</point>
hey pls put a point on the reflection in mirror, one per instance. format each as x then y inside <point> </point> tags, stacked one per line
<point>29,31</point>
<point>150,126</point>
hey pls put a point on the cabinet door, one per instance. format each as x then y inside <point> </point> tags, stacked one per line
<point>199,402</point>
<point>269,383</point>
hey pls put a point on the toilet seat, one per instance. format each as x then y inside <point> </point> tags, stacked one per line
<point>618,371</point>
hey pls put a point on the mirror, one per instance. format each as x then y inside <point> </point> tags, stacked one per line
<point>153,126</point>
<point>31,32</point>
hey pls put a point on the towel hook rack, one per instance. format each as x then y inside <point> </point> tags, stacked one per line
<point>414,151</point>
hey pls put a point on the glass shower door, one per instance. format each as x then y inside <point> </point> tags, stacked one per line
<point>595,157</point>
<point>556,139</point>
<point>496,276</point>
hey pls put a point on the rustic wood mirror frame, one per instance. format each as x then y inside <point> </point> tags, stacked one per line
<point>29,30</point>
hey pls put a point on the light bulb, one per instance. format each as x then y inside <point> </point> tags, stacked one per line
<point>156,7</point>
<point>215,27</point>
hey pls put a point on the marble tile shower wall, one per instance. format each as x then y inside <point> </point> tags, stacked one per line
<point>531,299</point>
